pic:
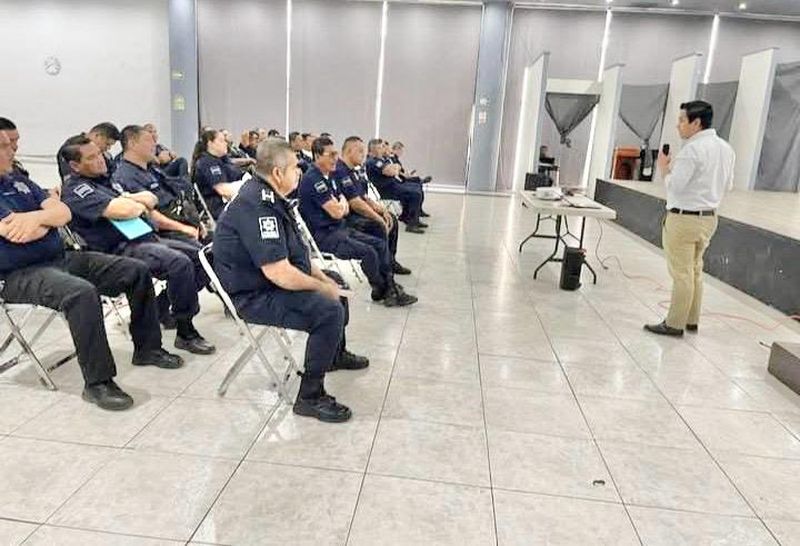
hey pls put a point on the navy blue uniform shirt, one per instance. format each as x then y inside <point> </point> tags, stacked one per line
<point>210,171</point>
<point>134,179</point>
<point>375,166</point>
<point>20,194</point>
<point>352,182</point>
<point>88,198</point>
<point>256,229</point>
<point>314,191</point>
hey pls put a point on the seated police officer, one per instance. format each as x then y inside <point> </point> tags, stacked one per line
<point>249,142</point>
<point>10,129</point>
<point>297,143</point>
<point>104,135</point>
<point>167,160</point>
<point>386,178</point>
<point>264,265</point>
<point>324,208</point>
<point>96,202</point>
<point>235,155</point>
<point>34,269</point>
<point>366,215</point>
<point>213,172</point>
<point>394,154</point>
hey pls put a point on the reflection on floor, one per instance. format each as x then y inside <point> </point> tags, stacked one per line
<point>497,410</point>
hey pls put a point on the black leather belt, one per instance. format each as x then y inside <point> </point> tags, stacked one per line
<point>693,212</point>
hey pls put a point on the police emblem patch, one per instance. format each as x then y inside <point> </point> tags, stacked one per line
<point>321,186</point>
<point>216,170</point>
<point>22,187</point>
<point>267,195</point>
<point>268,226</point>
<point>82,190</point>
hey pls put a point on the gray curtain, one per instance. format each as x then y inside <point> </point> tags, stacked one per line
<point>429,85</point>
<point>740,37</point>
<point>568,110</point>
<point>722,96</point>
<point>573,39</point>
<point>779,167</point>
<point>641,108</point>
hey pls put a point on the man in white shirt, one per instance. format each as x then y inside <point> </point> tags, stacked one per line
<point>696,181</point>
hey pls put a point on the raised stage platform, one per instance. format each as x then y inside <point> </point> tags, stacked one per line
<point>756,248</point>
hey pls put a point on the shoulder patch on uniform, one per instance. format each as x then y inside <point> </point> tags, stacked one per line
<point>82,190</point>
<point>22,187</point>
<point>347,181</point>
<point>321,186</point>
<point>216,169</point>
<point>268,226</point>
<point>267,195</point>
<point>379,164</point>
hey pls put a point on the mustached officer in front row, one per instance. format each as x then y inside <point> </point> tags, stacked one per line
<point>264,265</point>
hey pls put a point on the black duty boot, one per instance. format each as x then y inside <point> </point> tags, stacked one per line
<point>398,269</point>
<point>189,339</point>
<point>378,293</point>
<point>423,214</point>
<point>398,298</point>
<point>346,360</point>
<point>313,401</point>
<point>165,316</point>
<point>414,228</point>
<point>108,396</point>
<point>158,358</point>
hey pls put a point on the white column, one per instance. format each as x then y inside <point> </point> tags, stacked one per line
<point>607,115</point>
<point>531,111</point>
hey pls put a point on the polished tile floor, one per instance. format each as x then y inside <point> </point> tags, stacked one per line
<point>499,410</point>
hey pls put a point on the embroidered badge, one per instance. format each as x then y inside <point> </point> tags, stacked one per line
<point>82,190</point>
<point>267,195</point>
<point>22,187</point>
<point>321,186</point>
<point>268,226</point>
<point>216,170</point>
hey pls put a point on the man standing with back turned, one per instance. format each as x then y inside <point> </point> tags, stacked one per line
<point>696,181</point>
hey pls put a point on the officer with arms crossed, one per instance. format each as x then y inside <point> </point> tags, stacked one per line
<point>386,177</point>
<point>695,180</point>
<point>366,215</point>
<point>34,269</point>
<point>324,209</point>
<point>264,265</point>
<point>96,202</point>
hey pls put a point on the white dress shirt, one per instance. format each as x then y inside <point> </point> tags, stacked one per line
<point>701,172</point>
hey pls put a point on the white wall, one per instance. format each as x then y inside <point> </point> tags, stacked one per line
<point>115,67</point>
<point>686,74</point>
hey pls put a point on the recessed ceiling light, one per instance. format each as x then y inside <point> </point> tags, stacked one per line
<point>609,1</point>
<point>742,6</point>
<point>675,2</point>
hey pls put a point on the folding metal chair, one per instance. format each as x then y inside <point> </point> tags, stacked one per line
<point>279,382</point>
<point>392,205</point>
<point>325,258</point>
<point>16,328</point>
<point>212,224</point>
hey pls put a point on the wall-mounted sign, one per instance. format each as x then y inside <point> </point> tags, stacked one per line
<point>177,75</point>
<point>52,66</point>
<point>178,103</point>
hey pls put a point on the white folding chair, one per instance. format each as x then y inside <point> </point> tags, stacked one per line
<point>279,382</point>
<point>392,205</point>
<point>16,334</point>
<point>326,259</point>
<point>212,224</point>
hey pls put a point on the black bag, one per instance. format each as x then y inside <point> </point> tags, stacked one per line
<point>537,180</point>
<point>183,207</point>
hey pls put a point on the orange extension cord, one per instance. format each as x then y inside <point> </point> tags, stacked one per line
<point>661,288</point>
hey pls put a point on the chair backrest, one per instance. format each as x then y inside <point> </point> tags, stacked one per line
<point>212,223</point>
<point>217,284</point>
<point>306,234</point>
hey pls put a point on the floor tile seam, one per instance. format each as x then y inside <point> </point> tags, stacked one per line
<point>378,425</point>
<point>151,420</point>
<point>440,481</point>
<point>37,414</point>
<point>590,429</point>
<point>795,411</point>
<point>233,473</point>
<point>485,421</point>
<point>697,438</point>
<point>106,532</point>
<point>36,526</point>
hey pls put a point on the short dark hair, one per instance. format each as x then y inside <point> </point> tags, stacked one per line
<point>253,133</point>
<point>130,133</point>
<point>318,146</point>
<point>7,125</point>
<point>71,149</point>
<point>306,135</point>
<point>374,142</point>
<point>108,130</point>
<point>273,133</point>
<point>699,109</point>
<point>349,140</point>
<point>292,136</point>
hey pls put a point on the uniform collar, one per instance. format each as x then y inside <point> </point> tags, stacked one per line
<point>702,134</point>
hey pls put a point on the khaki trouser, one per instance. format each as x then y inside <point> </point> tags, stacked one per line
<point>686,238</point>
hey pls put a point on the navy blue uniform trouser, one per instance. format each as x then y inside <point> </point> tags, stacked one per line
<point>410,196</point>
<point>178,263</point>
<point>73,285</point>
<point>375,229</point>
<point>322,318</point>
<point>349,244</point>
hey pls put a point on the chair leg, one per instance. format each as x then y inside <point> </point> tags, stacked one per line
<point>17,334</point>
